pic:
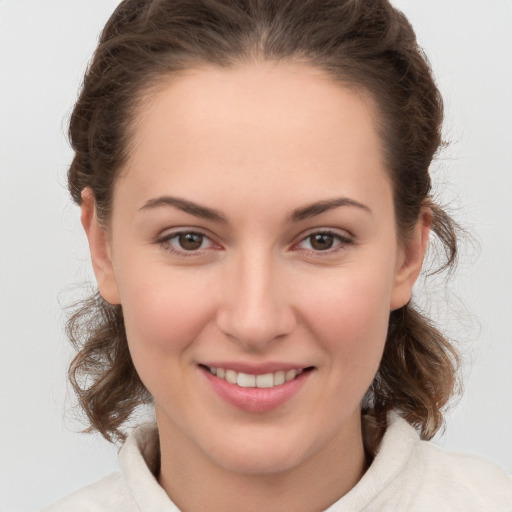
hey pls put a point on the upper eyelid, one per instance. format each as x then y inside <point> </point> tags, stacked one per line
<point>169,233</point>
<point>164,242</point>
<point>342,233</point>
<point>167,236</point>
<point>344,240</point>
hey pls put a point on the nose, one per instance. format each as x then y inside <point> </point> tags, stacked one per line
<point>256,307</point>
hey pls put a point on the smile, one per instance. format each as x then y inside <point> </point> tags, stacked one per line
<point>257,389</point>
<point>247,380</point>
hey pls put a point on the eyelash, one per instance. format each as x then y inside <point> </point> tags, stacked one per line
<point>165,242</point>
<point>343,242</point>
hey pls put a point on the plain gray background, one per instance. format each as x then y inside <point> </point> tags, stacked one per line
<point>44,48</point>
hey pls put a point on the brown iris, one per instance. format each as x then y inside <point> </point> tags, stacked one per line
<point>322,241</point>
<point>190,241</point>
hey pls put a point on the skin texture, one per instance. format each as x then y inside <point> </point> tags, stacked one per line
<point>255,143</point>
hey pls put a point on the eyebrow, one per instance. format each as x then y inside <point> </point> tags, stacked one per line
<point>185,206</point>
<point>323,206</point>
<point>297,215</point>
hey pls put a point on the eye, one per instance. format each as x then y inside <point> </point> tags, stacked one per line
<point>321,241</point>
<point>190,241</point>
<point>185,243</point>
<point>324,241</point>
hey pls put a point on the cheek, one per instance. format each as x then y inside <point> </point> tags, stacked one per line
<point>349,317</point>
<point>163,316</point>
<point>164,312</point>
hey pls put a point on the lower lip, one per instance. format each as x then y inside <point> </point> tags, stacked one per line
<point>256,400</point>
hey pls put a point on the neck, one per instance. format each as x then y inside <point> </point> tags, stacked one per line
<point>196,483</point>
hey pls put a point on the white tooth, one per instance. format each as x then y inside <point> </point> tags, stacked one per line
<point>246,380</point>
<point>279,378</point>
<point>221,373</point>
<point>231,376</point>
<point>265,381</point>
<point>290,375</point>
<point>213,370</point>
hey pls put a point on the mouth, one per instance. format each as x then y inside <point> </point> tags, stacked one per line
<point>262,381</point>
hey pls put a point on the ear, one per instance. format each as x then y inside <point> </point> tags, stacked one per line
<point>410,261</point>
<point>99,247</point>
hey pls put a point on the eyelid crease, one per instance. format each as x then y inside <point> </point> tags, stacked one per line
<point>170,232</point>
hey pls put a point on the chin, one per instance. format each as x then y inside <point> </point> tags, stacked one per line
<point>259,462</point>
<point>251,454</point>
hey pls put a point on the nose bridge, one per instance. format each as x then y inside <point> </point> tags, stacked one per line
<point>256,308</point>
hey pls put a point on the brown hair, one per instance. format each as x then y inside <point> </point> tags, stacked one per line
<point>365,44</point>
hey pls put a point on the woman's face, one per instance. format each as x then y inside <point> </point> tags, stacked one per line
<point>253,237</point>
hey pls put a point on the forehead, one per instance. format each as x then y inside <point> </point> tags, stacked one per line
<point>252,127</point>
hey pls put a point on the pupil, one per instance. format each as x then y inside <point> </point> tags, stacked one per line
<point>191,241</point>
<point>322,242</point>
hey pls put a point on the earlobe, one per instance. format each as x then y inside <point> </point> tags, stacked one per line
<point>99,249</point>
<point>411,261</point>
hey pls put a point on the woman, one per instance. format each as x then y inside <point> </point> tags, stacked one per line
<point>253,181</point>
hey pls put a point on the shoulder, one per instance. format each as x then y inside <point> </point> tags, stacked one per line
<point>477,481</point>
<point>408,474</point>
<point>108,494</point>
<point>133,489</point>
<point>430,476</point>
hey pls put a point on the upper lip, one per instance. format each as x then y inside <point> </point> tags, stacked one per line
<point>255,368</point>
